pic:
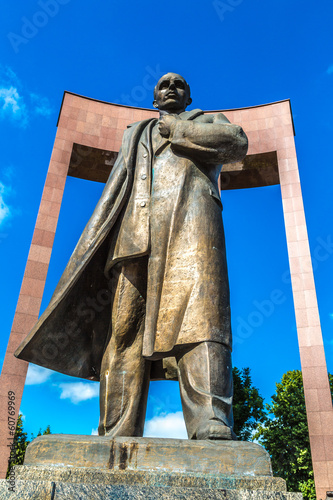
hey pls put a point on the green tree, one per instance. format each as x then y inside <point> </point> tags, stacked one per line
<point>248,405</point>
<point>286,436</point>
<point>40,433</point>
<point>21,442</point>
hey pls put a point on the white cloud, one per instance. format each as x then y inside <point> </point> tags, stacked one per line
<point>94,432</point>
<point>37,375</point>
<point>7,211</point>
<point>4,208</point>
<point>17,103</point>
<point>10,100</point>
<point>171,425</point>
<point>79,391</point>
<point>12,106</point>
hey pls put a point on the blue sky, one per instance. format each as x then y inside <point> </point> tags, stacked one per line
<point>235,53</point>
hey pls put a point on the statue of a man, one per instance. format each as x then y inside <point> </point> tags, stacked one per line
<point>153,258</point>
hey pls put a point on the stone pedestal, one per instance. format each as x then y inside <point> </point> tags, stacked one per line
<point>88,467</point>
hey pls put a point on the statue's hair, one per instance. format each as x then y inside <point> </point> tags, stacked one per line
<point>187,87</point>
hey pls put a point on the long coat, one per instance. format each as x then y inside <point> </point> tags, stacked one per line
<point>70,335</point>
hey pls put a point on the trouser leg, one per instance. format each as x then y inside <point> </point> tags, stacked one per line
<point>205,380</point>
<point>124,372</point>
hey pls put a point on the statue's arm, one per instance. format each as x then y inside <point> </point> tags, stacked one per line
<point>211,138</point>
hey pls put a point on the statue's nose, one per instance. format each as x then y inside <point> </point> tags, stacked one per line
<point>172,86</point>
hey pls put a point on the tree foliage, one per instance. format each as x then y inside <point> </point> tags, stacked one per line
<point>248,405</point>
<point>42,433</point>
<point>286,436</point>
<point>21,442</point>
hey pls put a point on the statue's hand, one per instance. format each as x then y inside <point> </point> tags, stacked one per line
<point>166,125</point>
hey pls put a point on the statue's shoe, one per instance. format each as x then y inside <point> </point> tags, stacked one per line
<point>214,429</point>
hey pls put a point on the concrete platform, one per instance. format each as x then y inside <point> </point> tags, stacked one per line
<point>150,454</point>
<point>92,467</point>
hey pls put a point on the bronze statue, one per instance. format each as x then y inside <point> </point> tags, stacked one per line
<point>148,280</point>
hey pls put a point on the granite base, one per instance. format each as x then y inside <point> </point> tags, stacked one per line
<point>90,467</point>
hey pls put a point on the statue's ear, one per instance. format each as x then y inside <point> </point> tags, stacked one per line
<point>155,104</point>
<point>189,101</point>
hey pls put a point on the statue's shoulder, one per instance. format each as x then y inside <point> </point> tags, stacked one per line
<point>194,114</point>
<point>209,117</point>
<point>135,128</point>
<point>131,125</point>
<point>140,124</point>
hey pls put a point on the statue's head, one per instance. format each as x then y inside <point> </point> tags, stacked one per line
<point>172,94</point>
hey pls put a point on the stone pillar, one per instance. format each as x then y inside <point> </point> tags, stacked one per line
<point>315,378</point>
<point>14,370</point>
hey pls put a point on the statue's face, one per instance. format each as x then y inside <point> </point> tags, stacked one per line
<point>172,94</point>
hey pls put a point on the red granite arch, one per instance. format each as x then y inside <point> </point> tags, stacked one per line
<point>88,138</point>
